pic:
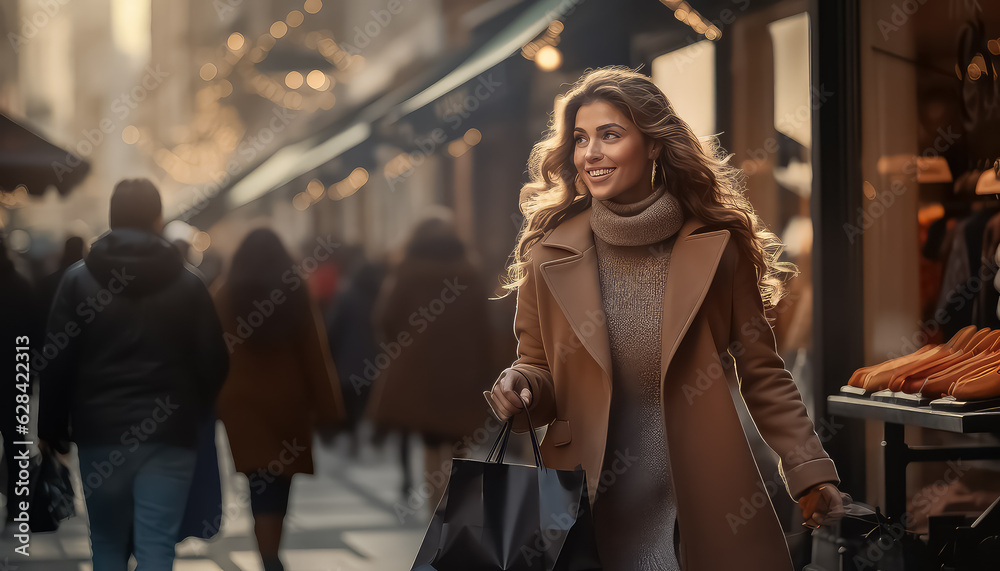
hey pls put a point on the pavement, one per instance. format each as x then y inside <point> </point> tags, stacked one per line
<point>349,516</point>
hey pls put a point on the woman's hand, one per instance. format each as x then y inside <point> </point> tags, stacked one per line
<point>507,394</point>
<point>822,505</point>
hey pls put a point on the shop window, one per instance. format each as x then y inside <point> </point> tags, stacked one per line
<point>687,78</point>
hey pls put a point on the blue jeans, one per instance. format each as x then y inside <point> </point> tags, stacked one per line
<point>135,502</point>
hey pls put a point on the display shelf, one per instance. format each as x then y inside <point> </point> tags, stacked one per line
<point>963,422</point>
<point>898,454</point>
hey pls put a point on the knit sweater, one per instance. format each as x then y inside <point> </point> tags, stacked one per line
<point>635,508</point>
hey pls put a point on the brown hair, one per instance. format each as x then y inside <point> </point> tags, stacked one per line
<point>698,174</point>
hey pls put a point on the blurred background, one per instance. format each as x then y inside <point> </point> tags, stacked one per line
<point>342,124</point>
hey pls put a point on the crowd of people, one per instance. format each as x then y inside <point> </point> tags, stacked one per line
<point>136,353</point>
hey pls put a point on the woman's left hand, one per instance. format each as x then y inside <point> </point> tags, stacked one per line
<point>822,505</point>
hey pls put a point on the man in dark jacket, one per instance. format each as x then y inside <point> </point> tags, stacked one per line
<point>133,360</point>
<point>18,321</point>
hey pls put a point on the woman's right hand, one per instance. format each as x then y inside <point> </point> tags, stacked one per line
<point>510,394</point>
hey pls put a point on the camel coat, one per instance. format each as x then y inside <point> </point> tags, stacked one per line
<point>276,396</point>
<point>434,377</point>
<point>712,306</point>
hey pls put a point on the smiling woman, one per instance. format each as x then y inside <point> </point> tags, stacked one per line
<point>616,157</point>
<point>654,261</point>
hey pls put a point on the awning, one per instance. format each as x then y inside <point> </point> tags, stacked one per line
<point>293,161</point>
<point>507,42</point>
<point>28,159</point>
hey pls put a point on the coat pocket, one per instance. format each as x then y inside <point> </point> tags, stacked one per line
<point>559,433</point>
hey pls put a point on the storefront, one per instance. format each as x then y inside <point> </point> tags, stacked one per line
<point>917,215</point>
<point>869,148</point>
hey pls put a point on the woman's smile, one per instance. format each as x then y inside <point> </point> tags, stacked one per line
<point>600,174</point>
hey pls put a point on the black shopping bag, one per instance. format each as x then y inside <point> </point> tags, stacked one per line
<point>51,492</point>
<point>497,516</point>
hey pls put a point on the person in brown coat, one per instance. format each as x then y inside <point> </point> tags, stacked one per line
<point>433,365</point>
<point>641,274</point>
<point>282,385</point>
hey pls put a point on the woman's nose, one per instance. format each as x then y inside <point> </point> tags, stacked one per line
<point>593,151</point>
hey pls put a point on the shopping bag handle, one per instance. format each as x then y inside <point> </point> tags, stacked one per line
<point>499,448</point>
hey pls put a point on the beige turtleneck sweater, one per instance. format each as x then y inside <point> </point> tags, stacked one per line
<point>634,510</point>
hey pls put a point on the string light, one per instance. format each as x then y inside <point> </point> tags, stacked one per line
<point>206,144</point>
<point>542,50</point>
<point>317,79</point>
<point>294,19</point>
<point>236,41</point>
<point>130,135</point>
<point>315,189</point>
<point>208,71</point>
<point>301,201</point>
<point>350,185</point>
<point>293,79</point>
<point>278,30</point>
<point>688,15</point>
<point>472,137</point>
<point>548,58</point>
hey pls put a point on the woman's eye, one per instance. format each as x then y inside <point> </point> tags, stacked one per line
<point>610,134</point>
<point>578,140</point>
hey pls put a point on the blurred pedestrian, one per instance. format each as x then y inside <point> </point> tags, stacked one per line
<point>432,363</point>
<point>282,386</point>
<point>640,262</point>
<point>135,360</point>
<point>17,319</point>
<point>46,288</point>
<point>352,339</point>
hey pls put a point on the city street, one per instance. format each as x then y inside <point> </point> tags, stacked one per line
<point>341,519</point>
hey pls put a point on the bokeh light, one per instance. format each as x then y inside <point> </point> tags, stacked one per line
<point>208,71</point>
<point>548,58</point>
<point>294,19</point>
<point>236,41</point>
<point>293,80</point>
<point>130,134</point>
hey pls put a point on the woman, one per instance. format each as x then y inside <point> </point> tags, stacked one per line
<point>432,316</point>
<point>641,266</point>
<point>281,387</point>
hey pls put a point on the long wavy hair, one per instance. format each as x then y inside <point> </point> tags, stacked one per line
<point>697,173</point>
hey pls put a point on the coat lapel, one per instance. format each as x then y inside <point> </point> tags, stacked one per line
<point>572,277</point>
<point>693,262</point>
<point>575,284</point>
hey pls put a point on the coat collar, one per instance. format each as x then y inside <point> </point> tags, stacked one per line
<point>572,277</point>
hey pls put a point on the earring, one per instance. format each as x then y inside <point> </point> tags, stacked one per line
<point>652,180</point>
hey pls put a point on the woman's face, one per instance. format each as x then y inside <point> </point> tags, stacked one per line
<point>613,158</point>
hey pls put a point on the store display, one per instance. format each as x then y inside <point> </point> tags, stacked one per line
<point>877,377</point>
<point>966,369</point>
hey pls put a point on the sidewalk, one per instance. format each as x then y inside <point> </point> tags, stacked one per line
<point>342,519</point>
